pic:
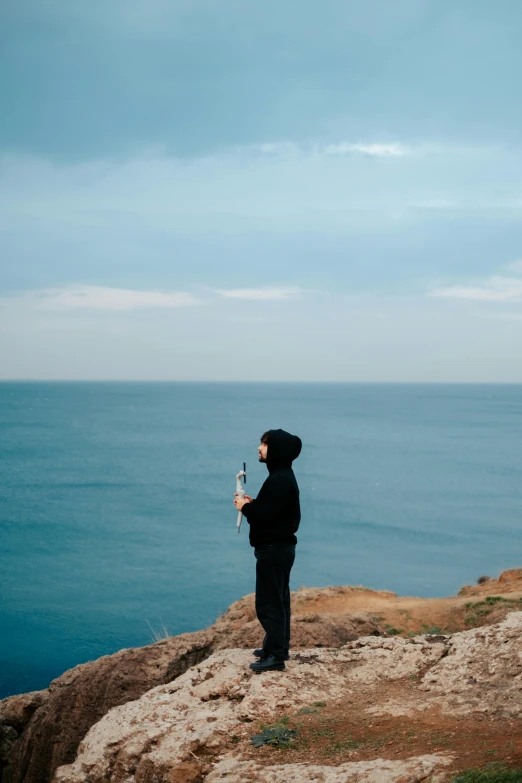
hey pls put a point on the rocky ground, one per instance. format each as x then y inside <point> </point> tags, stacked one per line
<point>376,702</point>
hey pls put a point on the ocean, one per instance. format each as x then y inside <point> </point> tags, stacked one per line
<point>116,515</point>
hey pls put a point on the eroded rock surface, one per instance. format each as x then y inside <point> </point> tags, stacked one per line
<point>48,734</point>
<point>16,711</point>
<point>181,731</point>
<point>482,670</point>
<point>412,770</point>
<point>81,696</point>
<point>15,714</point>
<point>186,720</point>
<point>374,659</point>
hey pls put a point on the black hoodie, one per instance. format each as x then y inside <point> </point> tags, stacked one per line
<point>275,514</point>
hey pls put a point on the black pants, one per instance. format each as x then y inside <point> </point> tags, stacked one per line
<point>273,565</point>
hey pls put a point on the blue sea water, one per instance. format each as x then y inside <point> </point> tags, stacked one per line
<point>116,502</point>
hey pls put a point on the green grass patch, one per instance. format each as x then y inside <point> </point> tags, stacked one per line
<point>478,609</point>
<point>342,746</point>
<point>492,773</point>
<point>324,732</point>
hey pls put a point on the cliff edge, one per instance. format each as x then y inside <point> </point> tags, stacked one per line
<point>170,711</point>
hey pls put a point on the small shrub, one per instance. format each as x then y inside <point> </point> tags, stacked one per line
<point>319,704</point>
<point>483,579</point>
<point>281,736</point>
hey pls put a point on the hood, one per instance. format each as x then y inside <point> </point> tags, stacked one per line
<point>283,448</point>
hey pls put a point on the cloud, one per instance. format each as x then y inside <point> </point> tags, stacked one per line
<point>278,148</point>
<point>280,186</point>
<point>386,150</point>
<point>495,289</point>
<point>260,293</point>
<point>92,297</point>
<point>394,150</point>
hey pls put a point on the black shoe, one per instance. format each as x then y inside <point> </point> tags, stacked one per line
<point>263,654</point>
<point>268,664</point>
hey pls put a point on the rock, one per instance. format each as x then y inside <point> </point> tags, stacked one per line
<point>16,711</point>
<point>176,730</point>
<point>509,581</point>
<point>388,659</point>
<point>479,671</point>
<point>8,736</point>
<point>511,575</point>
<point>412,770</point>
<point>482,671</point>
<point>193,716</point>
<point>308,630</point>
<point>316,619</point>
<point>81,696</point>
<point>322,617</point>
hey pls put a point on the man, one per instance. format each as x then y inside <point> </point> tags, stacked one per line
<point>274,518</point>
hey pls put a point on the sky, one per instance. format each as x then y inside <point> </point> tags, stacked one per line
<point>235,190</point>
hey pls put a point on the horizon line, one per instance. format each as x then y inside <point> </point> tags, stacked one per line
<point>265,382</point>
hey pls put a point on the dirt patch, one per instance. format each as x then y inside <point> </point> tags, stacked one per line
<point>508,582</point>
<point>332,734</point>
<point>409,616</point>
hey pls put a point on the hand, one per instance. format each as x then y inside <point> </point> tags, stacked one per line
<point>240,502</point>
